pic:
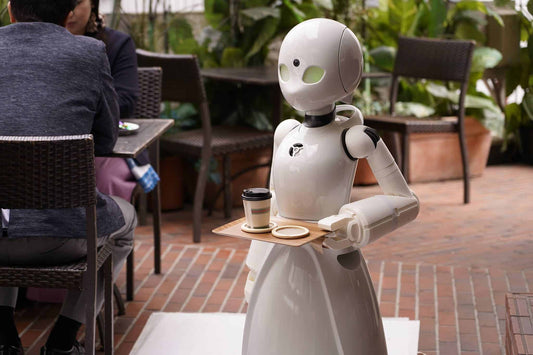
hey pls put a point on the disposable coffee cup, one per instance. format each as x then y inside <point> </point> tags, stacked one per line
<point>256,203</point>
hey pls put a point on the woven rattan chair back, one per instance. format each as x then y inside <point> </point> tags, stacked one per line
<point>181,75</point>
<point>447,60</point>
<point>48,173</point>
<point>149,102</point>
<point>433,59</point>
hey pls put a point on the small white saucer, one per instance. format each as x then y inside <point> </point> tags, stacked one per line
<point>290,232</point>
<point>248,229</point>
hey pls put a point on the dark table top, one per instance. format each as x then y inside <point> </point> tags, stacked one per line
<point>149,130</point>
<point>249,75</point>
<point>261,75</point>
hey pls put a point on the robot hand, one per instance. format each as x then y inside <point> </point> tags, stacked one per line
<point>347,231</point>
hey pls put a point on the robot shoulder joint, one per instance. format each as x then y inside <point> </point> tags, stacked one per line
<point>283,129</point>
<point>360,141</point>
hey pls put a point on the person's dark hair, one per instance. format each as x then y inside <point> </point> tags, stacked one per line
<point>95,26</point>
<point>53,11</point>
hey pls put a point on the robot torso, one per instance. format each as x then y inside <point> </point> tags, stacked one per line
<point>312,173</point>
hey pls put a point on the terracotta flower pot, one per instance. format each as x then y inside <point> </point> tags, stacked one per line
<point>437,156</point>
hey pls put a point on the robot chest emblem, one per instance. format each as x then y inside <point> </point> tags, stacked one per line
<point>296,149</point>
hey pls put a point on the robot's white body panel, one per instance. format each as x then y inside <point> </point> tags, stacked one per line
<point>306,303</point>
<point>312,173</point>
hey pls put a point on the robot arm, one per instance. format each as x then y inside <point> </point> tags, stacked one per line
<point>362,222</point>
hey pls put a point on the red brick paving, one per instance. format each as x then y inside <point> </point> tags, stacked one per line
<point>450,269</point>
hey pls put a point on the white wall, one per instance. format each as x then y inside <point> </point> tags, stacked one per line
<point>139,6</point>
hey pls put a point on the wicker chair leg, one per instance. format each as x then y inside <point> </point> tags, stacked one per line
<point>466,169</point>
<point>227,186</point>
<point>143,209</point>
<point>199,199</point>
<point>121,310</point>
<point>90,323</point>
<point>100,327</point>
<point>130,280</point>
<point>108,306</point>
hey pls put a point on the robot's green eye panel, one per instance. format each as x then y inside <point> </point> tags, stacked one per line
<point>284,72</point>
<point>313,75</point>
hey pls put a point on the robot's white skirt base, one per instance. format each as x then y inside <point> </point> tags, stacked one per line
<point>221,334</point>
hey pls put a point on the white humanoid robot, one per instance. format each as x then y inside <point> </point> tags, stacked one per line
<point>302,300</point>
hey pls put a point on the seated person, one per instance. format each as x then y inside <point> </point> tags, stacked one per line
<point>113,176</point>
<point>55,83</point>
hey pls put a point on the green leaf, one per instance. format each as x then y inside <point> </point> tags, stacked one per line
<point>259,13</point>
<point>465,30</point>
<point>443,92</point>
<point>471,5</point>
<point>419,20</point>
<point>383,57</point>
<point>215,11</point>
<point>495,15</point>
<point>402,14</point>
<point>530,50</point>
<point>513,119</point>
<point>232,57</point>
<point>326,4</point>
<point>473,18</point>
<point>266,33</point>
<point>413,109</point>
<point>180,37</point>
<point>485,57</point>
<point>309,10</point>
<point>437,17</point>
<point>299,15</point>
<point>512,78</point>
<point>527,104</point>
<point>472,101</point>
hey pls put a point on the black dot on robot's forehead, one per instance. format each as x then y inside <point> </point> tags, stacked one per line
<point>296,62</point>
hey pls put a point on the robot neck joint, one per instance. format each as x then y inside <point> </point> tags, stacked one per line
<point>314,121</point>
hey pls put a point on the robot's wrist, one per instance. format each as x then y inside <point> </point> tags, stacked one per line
<point>355,233</point>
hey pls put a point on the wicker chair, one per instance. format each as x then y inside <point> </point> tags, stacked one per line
<point>182,82</point>
<point>57,172</point>
<point>446,60</point>
<point>149,102</point>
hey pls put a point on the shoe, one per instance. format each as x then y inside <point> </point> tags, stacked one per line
<point>11,350</point>
<point>77,349</point>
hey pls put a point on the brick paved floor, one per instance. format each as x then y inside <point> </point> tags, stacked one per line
<point>450,268</point>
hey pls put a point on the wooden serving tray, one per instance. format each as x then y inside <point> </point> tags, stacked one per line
<point>233,229</point>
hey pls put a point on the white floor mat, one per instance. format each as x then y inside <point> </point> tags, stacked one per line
<point>221,334</point>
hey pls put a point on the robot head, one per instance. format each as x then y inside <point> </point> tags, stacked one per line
<point>320,62</point>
